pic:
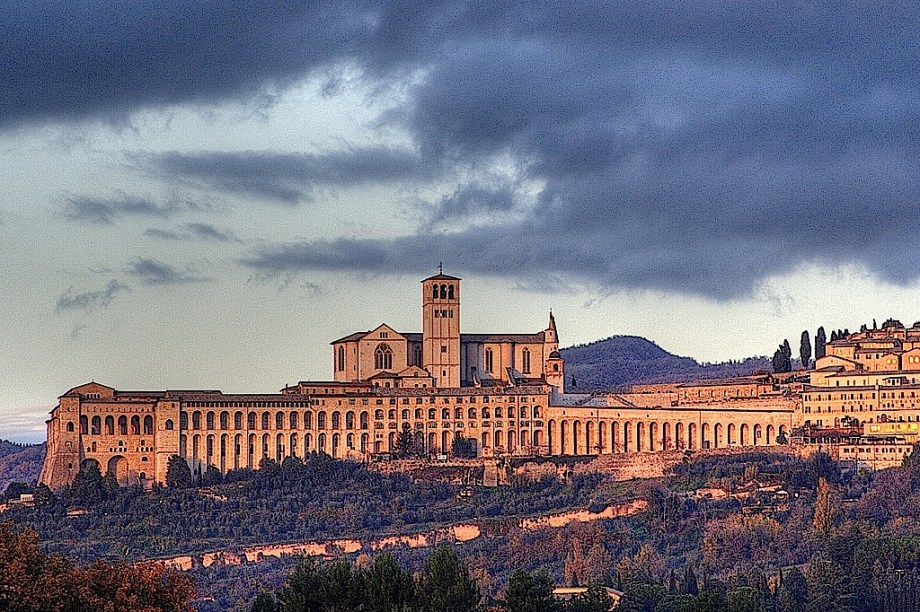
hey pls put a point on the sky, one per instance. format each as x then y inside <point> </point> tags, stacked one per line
<point>204,195</point>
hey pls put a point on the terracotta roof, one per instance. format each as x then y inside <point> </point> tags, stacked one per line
<point>440,277</point>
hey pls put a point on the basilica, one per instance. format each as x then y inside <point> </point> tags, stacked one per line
<point>500,394</point>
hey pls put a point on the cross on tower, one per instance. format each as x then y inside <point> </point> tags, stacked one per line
<point>440,267</point>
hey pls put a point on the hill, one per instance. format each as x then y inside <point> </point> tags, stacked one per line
<point>618,361</point>
<point>20,462</point>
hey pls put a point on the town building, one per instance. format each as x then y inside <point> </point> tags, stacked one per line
<point>501,394</point>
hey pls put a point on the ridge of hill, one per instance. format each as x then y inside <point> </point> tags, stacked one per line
<point>619,361</point>
<point>20,463</point>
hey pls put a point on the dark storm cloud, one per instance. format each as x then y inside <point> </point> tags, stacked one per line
<point>289,178</point>
<point>153,272</point>
<point>695,147</point>
<point>90,300</point>
<point>191,232</point>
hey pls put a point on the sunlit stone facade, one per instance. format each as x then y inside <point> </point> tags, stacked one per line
<point>501,392</point>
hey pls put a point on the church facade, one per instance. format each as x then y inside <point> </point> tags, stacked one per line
<point>501,393</point>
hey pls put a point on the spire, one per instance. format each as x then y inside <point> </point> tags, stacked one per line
<point>552,321</point>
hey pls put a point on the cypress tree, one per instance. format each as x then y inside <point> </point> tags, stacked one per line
<point>820,342</point>
<point>805,350</point>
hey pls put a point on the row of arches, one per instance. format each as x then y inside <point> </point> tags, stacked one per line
<point>98,426</point>
<point>577,437</point>
<point>336,419</point>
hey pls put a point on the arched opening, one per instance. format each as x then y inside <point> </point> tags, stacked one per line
<point>679,440</point>
<point>123,424</point>
<point>383,357</point>
<point>745,435</point>
<point>109,425</point>
<point>148,425</point>
<point>135,425</point>
<point>692,442</point>
<point>652,436</point>
<point>563,437</point>
<point>640,434</point>
<point>731,434</point>
<point>118,467</point>
<point>719,441</point>
<point>602,438</point>
<point>666,442</point>
<point>758,434</point>
<point>96,427</point>
<point>627,437</point>
<point>576,438</point>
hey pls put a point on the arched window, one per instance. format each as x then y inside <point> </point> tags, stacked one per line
<point>209,420</point>
<point>341,359</point>
<point>498,412</point>
<point>308,419</point>
<point>169,424</point>
<point>525,359</point>
<point>391,414</point>
<point>383,357</point>
<point>349,420</point>
<point>434,292</point>
<point>135,425</point>
<point>443,292</point>
<point>336,420</point>
<point>97,426</point>
<point>183,422</point>
<point>196,420</point>
<point>84,425</point>
<point>293,420</point>
<point>378,414</point>
<point>224,420</point>
<point>238,420</point>
<point>264,420</point>
<point>110,425</point>
<point>279,420</point>
<point>490,360</point>
<point>148,425</point>
<point>69,427</point>
<point>418,355</point>
<point>364,424</point>
<point>405,415</point>
<point>445,413</point>
<point>471,413</point>
<point>251,420</point>
<point>450,292</point>
<point>321,420</point>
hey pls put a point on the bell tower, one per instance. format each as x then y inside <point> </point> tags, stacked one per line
<point>441,328</point>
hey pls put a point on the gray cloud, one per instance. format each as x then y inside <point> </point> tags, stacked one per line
<point>698,147</point>
<point>289,178</point>
<point>105,211</point>
<point>153,272</point>
<point>90,300</point>
<point>192,232</point>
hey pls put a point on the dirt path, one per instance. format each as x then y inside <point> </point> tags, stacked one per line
<point>457,533</point>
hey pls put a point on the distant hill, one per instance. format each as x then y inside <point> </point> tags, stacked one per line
<point>627,360</point>
<point>20,462</point>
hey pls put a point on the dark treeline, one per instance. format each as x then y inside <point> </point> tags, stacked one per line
<point>443,585</point>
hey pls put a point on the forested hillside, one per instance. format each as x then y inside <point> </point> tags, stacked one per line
<point>20,463</point>
<point>625,360</point>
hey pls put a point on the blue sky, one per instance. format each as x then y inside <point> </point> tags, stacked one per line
<point>205,194</point>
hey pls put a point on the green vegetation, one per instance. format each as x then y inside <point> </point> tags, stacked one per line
<point>292,501</point>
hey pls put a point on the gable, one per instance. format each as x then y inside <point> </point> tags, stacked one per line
<point>383,332</point>
<point>94,389</point>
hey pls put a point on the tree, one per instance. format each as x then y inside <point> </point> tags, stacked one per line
<point>340,589</point>
<point>445,584</point>
<point>595,599</point>
<point>820,344</point>
<point>387,587</point>
<point>825,508</point>
<point>302,587</point>
<point>530,593</point>
<point>805,350</point>
<point>827,588</point>
<point>641,597</point>
<point>787,350</point>
<point>265,602</point>
<point>793,592</point>
<point>744,599</point>
<point>404,442</point>
<point>688,583</point>
<point>781,362</point>
<point>86,487</point>
<point>178,473</point>
<point>15,489</point>
<point>462,447</point>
